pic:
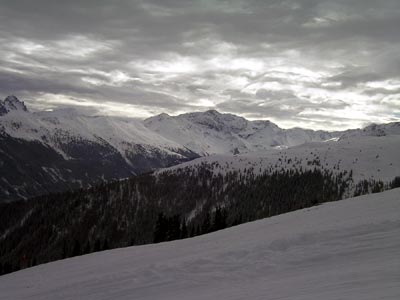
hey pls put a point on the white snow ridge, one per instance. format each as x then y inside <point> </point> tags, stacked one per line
<point>342,250</point>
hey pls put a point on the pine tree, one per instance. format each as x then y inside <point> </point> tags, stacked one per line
<point>219,219</point>
<point>77,248</point>
<point>64,250</point>
<point>184,231</point>
<point>86,250</point>
<point>160,231</point>
<point>97,245</point>
<point>206,226</point>
<point>105,245</point>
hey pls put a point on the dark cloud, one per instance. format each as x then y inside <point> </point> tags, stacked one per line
<point>308,62</point>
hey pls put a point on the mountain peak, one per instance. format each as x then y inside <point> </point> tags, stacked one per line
<point>11,103</point>
<point>11,98</point>
<point>157,118</point>
<point>163,116</point>
<point>212,112</point>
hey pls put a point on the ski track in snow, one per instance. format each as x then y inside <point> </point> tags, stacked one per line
<point>342,250</point>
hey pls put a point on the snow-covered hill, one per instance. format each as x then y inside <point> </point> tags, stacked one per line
<point>367,157</point>
<point>340,250</point>
<point>373,130</point>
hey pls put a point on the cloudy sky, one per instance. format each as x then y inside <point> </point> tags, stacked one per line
<point>310,63</point>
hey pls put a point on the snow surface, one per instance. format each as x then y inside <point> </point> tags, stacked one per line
<point>369,157</point>
<point>342,250</point>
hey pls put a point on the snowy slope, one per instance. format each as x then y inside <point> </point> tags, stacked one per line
<point>369,157</point>
<point>341,250</point>
<point>373,130</point>
<point>65,125</point>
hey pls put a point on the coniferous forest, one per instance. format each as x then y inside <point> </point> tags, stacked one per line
<point>159,207</point>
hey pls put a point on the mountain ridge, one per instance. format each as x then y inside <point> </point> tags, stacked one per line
<point>52,151</point>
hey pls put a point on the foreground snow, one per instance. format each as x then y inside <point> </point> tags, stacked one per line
<point>342,250</point>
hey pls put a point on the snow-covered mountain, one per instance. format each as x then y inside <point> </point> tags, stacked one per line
<point>373,130</point>
<point>52,151</point>
<point>214,133</point>
<point>340,250</point>
<point>60,127</point>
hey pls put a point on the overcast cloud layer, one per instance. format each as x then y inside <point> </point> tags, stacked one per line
<point>309,63</point>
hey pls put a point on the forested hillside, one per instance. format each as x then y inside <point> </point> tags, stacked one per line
<point>339,250</point>
<point>154,208</point>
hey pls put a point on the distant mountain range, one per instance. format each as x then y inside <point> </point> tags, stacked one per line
<point>52,151</point>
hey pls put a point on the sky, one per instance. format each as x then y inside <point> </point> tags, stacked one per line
<point>308,63</point>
